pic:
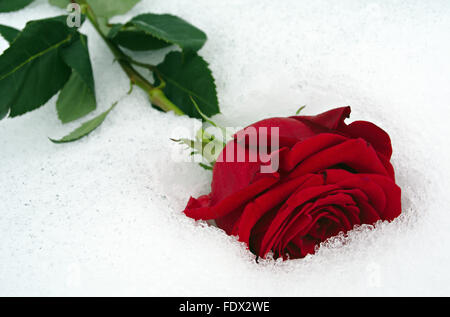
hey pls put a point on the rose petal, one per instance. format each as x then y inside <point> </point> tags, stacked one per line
<point>305,245</point>
<point>346,180</point>
<point>368,214</point>
<point>302,195</point>
<point>290,131</point>
<point>309,147</point>
<point>370,132</point>
<point>234,183</point>
<point>348,217</point>
<point>231,175</point>
<point>229,222</point>
<point>233,201</point>
<point>260,229</point>
<point>393,197</point>
<point>330,120</point>
<point>264,203</point>
<point>297,227</point>
<point>202,201</point>
<point>354,153</point>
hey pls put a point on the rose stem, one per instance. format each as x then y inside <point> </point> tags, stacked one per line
<point>157,96</point>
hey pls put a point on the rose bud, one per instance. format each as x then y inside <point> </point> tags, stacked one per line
<point>328,177</point>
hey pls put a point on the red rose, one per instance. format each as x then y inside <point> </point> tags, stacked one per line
<point>331,177</point>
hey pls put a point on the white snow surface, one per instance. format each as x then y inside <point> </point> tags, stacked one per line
<point>103,216</point>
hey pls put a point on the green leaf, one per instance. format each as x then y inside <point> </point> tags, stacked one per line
<point>109,8</point>
<point>8,33</point>
<point>206,167</point>
<point>151,31</point>
<point>205,144</point>
<point>85,128</point>
<point>103,24</point>
<point>188,76</point>
<point>3,112</point>
<point>59,3</point>
<point>77,57</point>
<point>13,5</point>
<point>202,115</point>
<point>31,69</point>
<point>135,39</point>
<point>103,8</point>
<point>300,109</point>
<point>77,98</point>
<point>63,19</point>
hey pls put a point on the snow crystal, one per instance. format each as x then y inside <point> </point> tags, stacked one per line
<point>102,216</point>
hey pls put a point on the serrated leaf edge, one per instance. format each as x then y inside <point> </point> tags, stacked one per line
<point>188,92</point>
<point>103,114</point>
<point>32,58</point>
<point>133,22</point>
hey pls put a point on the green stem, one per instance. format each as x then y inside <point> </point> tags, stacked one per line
<point>150,67</point>
<point>156,95</point>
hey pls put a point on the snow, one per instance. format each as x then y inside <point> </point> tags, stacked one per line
<point>102,216</point>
